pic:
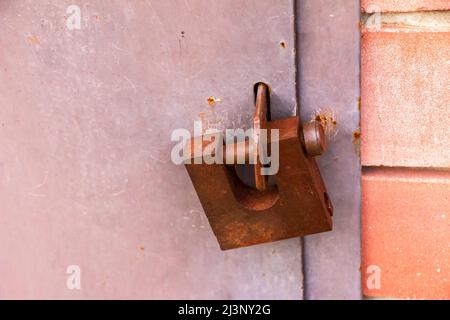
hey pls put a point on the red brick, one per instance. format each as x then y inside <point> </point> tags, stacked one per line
<point>406,232</point>
<point>404,5</point>
<point>405,99</point>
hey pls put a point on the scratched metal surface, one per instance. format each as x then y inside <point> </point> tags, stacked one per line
<point>86,117</point>
<point>328,39</point>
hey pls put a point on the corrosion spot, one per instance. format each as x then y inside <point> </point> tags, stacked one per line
<point>33,39</point>
<point>356,137</point>
<point>328,120</point>
<point>212,101</point>
<point>142,248</point>
<point>283,44</point>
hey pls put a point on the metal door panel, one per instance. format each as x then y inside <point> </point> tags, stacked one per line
<point>86,118</point>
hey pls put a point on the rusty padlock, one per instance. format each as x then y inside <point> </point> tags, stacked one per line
<point>296,204</point>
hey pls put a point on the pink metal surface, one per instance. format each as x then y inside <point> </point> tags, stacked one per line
<point>85,122</point>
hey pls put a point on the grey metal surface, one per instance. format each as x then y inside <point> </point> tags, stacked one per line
<point>86,119</point>
<point>328,80</point>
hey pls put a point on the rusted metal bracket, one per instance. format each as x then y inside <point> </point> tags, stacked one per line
<point>296,204</point>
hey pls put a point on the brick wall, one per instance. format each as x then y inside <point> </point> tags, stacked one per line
<point>405,5</point>
<point>405,123</point>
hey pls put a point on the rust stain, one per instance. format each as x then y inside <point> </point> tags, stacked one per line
<point>33,39</point>
<point>142,248</point>
<point>356,140</point>
<point>283,44</point>
<point>328,120</point>
<point>359,104</point>
<point>212,101</point>
<point>356,137</point>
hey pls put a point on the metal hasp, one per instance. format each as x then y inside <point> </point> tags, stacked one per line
<point>295,204</point>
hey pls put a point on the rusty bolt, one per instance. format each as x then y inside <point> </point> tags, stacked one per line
<point>314,137</point>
